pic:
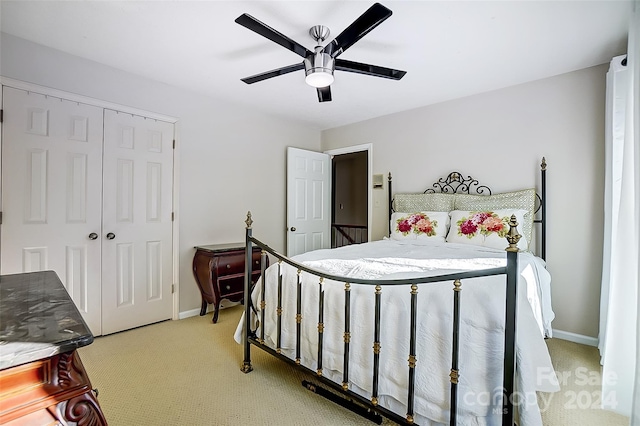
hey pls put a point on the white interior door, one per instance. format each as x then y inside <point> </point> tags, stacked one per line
<point>137,229</point>
<point>51,193</point>
<point>308,201</point>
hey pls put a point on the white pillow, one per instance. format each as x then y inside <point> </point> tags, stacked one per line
<point>426,226</point>
<point>487,228</point>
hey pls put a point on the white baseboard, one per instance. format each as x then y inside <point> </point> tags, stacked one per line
<point>576,338</point>
<point>193,312</point>
<point>187,314</point>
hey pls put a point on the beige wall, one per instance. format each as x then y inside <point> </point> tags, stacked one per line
<point>499,138</point>
<point>231,159</point>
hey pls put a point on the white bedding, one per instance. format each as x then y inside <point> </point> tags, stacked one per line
<point>482,337</point>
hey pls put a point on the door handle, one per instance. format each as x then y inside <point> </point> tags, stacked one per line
<point>93,236</point>
<point>293,229</point>
<point>111,236</point>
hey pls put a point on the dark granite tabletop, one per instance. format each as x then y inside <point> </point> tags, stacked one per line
<point>38,319</point>
<point>217,248</point>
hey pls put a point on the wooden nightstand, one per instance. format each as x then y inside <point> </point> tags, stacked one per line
<point>219,273</point>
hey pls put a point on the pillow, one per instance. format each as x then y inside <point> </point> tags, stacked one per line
<point>424,202</point>
<point>487,228</point>
<point>525,200</point>
<point>431,226</point>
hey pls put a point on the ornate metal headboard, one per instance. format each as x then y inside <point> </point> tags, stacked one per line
<point>456,183</point>
<point>453,183</point>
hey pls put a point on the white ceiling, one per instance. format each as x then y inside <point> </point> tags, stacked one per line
<point>449,49</point>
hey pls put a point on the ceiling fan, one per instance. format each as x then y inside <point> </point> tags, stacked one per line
<point>320,64</point>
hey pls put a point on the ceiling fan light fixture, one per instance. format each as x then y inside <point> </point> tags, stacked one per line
<point>319,77</point>
<point>318,69</point>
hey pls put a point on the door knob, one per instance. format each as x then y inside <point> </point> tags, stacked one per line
<point>111,236</point>
<point>93,236</point>
<point>293,229</point>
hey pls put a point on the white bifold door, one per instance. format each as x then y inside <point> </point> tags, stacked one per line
<point>87,192</point>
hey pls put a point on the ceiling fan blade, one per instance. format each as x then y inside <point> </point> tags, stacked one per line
<point>324,94</point>
<point>369,69</point>
<point>273,73</point>
<point>370,19</point>
<point>264,30</point>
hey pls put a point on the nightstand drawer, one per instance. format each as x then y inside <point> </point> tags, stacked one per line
<point>230,286</point>
<point>230,264</point>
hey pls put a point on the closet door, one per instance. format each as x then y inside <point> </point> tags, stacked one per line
<point>137,228</point>
<point>51,194</point>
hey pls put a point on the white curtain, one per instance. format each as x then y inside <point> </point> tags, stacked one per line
<point>634,92</point>
<point>619,340</point>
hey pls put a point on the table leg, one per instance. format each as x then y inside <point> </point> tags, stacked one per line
<point>216,305</point>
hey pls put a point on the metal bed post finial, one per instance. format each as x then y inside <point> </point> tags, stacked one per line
<point>543,165</point>
<point>249,221</point>
<point>513,236</point>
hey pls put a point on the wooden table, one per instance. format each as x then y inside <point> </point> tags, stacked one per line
<point>219,273</point>
<point>42,380</point>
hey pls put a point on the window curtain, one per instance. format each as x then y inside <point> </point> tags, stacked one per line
<point>619,339</point>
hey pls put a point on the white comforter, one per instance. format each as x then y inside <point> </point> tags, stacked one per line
<point>482,337</point>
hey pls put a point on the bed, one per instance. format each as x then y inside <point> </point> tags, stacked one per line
<point>426,326</point>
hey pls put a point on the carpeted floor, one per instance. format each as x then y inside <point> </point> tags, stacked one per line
<point>187,372</point>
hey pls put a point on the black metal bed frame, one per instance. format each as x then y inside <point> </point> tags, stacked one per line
<point>370,408</point>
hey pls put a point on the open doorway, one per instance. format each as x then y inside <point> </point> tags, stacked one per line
<point>312,204</point>
<point>349,198</point>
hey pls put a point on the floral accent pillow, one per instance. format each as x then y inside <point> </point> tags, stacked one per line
<point>420,226</point>
<point>524,199</point>
<point>487,228</point>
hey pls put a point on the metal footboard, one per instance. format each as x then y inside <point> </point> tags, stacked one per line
<point>510,271</point>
